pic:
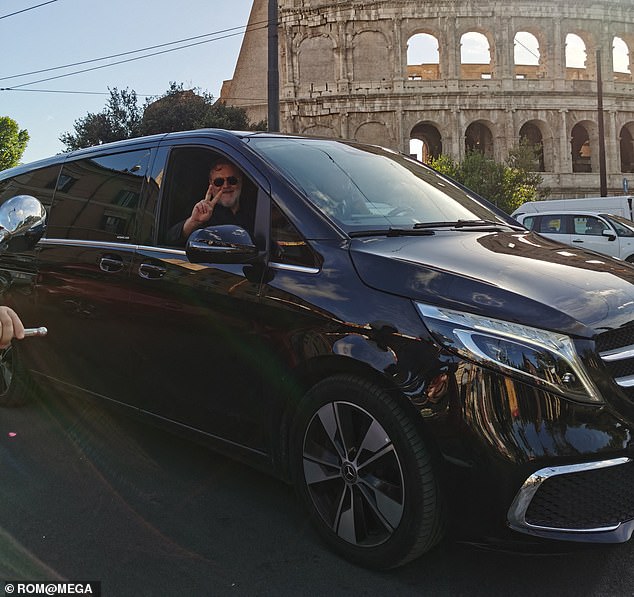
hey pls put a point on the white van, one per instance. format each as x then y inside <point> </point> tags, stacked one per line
<point>620,206</point>
<point>604,233</point>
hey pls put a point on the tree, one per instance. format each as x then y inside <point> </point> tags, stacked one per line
<point>183,109</point>
<point>12,142</point>
<point>120,119</point>
<point>178,109</point>
<point>506,185</point>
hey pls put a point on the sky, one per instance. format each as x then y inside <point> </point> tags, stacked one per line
<point>60,32</point>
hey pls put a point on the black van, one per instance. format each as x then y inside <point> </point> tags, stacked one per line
<point>404,353</point>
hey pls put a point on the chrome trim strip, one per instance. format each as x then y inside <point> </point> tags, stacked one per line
<point>87,243</point>
<point>516,515</point>
<point>294,268</point>
<point>618,354</point>
<point>625,382</point>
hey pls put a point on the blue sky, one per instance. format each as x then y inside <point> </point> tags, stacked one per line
<point>70,31</point>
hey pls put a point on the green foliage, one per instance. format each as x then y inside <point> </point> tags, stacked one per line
<point>12,142</point>
<point>506,185</point>
<point>120,119</point>
<point>177,109</point>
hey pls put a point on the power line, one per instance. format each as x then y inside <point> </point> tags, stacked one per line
<point>26,9</point>
<point>171,43</point>
<point>85,70</point>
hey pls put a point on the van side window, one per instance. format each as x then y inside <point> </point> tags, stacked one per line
<point>186,183</point>
<point>551,225</point>
<point>529,222</point>
<point>37,183</point>
<point>588,225</point>
<point>97,198</point>
<point>287,245</point>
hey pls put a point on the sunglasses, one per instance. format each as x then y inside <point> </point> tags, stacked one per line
<point>232,180</point>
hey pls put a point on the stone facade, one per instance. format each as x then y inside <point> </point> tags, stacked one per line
<point>344,72</point>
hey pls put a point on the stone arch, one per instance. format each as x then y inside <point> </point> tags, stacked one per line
<point>626,146</point>
<point>582,135</point>
<point>527,55</point>
<point>533,132</point>
<point>370,57</point>
<point>423,57</point>
<point>319,130</point>
<point>430,140</point>
<point>316,60</point>
<point>374,132</point>
<point>476,55</point>
<point>479,137</point>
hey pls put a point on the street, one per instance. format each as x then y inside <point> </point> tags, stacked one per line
<point>86,494</point>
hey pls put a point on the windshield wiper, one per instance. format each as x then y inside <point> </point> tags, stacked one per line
<point>391,232</point>
<point>458,224</point>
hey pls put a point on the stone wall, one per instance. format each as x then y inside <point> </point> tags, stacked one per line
<point>344,72</point>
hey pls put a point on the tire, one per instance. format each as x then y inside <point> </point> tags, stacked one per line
<point>361,468</point>
<point>14,380</point>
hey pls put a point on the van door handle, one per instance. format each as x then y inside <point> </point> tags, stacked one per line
<point>578,241</point>
<point>111,263</point>
<point>151,272</point>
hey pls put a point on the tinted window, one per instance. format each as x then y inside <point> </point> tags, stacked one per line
<point>368,187</point>
<point>38,183</point>
<point>529,222</point>
<point>588,225</point>
<point>551,225</point>
<point>97,198</point>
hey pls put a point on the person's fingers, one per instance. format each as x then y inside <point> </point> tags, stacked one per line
<point>6,327</point>
<point>18,326</point>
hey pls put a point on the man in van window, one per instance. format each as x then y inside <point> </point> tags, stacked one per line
<point>223,204</point>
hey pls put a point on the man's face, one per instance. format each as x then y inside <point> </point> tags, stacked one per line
<point>221,179</point>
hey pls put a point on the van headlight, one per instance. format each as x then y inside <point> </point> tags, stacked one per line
<point>543,358</point>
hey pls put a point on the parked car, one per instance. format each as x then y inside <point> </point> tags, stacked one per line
<point>620,205</point>
<point>404,353</point>
<point>605,233</point>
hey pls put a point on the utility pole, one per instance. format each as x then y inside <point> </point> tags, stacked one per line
<point>273,71</point>
<point>602,174</point>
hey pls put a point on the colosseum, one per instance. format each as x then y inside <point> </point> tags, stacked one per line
<point>451,76</point>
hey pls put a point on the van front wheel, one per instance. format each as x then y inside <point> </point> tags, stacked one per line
<point>364,473</point>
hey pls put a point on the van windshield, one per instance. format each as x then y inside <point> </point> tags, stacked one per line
<point>367,187</point>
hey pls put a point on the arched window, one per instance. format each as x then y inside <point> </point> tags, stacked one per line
<point>526,55</point>
<point>478,137</point>
<point>425,142</point>
<point>620,57</point>
<point>581,150</point>
<point>423,57</point>
<point>370,57</point>
<point>475,56</point>
<point>576,57</point>
<point>627,150</point>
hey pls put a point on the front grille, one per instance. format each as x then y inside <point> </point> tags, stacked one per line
<point>590,499</point>
<point>616,349</point>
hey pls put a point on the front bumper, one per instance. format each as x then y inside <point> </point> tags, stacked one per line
<point>590,502</point>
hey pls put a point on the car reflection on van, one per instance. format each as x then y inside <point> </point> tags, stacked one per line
<point>604,233</point>
<point>415,362</point>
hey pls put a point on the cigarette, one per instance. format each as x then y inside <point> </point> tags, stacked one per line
<point>41,331</point>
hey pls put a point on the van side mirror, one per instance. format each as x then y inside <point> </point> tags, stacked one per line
<point>609,233</point>
<point>221,244</point>
<point>22,223</point>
